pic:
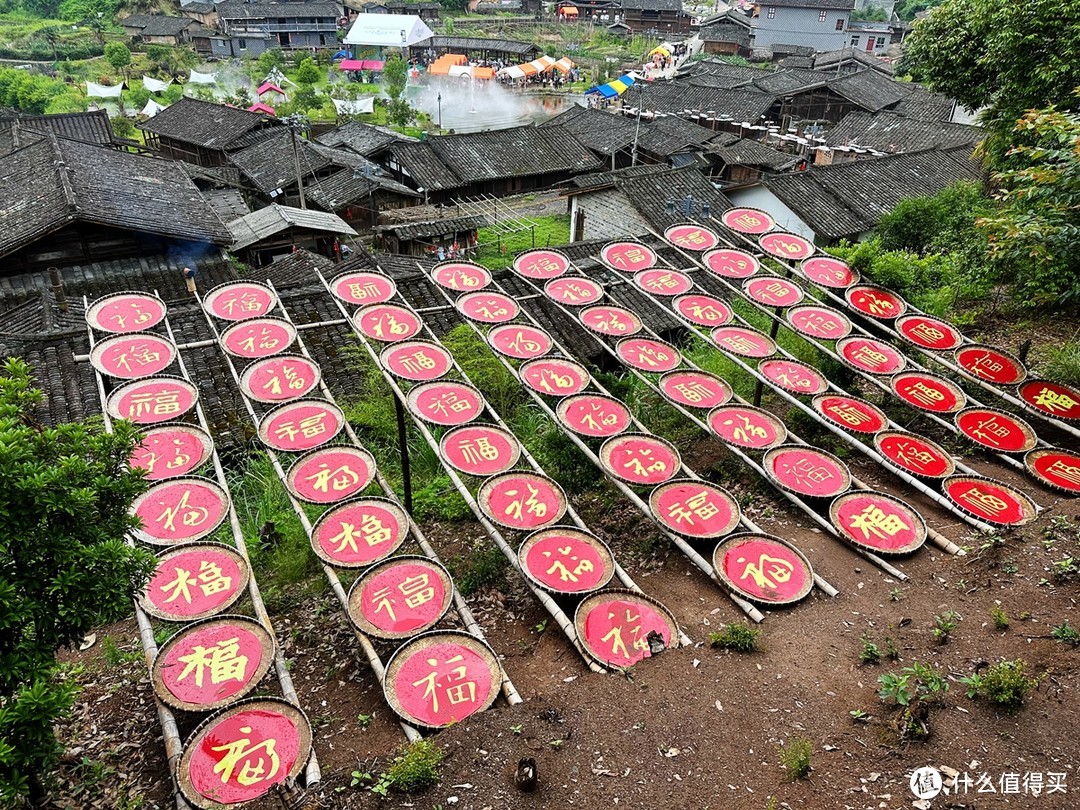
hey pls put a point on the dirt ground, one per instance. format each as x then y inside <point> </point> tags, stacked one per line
<point>692,727</point>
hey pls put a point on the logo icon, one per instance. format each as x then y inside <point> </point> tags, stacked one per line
<point>925,782</point>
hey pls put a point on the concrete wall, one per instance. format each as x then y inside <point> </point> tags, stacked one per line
<point>800,26</point>
<point>760,197</point>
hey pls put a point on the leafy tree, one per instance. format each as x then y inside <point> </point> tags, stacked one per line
<point>79,10</point>
<point>1009,57</point>
<point>160,56</point>
<point>396,77</point>
<point>871,13</point>
<point>65,493</point>
<point>308,73</point>
<point>136,98</point>
<point>122,126</point>
<point>118,55</point>
<point>1033,235</point>
<point>268,60</point>
<point>29,92</point>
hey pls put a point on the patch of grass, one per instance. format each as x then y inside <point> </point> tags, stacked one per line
<point>1005,683</point>
<point>999,617</point>
<point>497,251</point>
<point>414,769</point>
<point>115,656</point>
<point>439,500</point>
<point>870,652</point>
<point>1065,633</point>
<point>483,566</point>
<point>1063,362</point>
<point>944,625</point>
<point>795,757</point>
<point>739,637</point>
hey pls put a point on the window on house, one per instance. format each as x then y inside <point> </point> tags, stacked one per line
<point>881,42</point>
<point>772,12</point>
<point>855,40</point>
<point>823,16</point>
<point>241,44</point>
<point>840,24</point>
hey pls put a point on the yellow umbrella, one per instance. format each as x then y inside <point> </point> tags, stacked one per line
<point>660,49</point>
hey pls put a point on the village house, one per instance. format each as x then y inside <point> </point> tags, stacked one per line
<point>19,129</point>
<point>509,51</point>
<point>201,11</point>
<point>862,134</point>
<point>158,29</point>
<point>249,28</point>
<point>203,133</point>
<point>663,17</point>
<point>277,230</point>
<point>819,24</point>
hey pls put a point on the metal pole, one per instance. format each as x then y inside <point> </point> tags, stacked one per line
<point>296,162</point>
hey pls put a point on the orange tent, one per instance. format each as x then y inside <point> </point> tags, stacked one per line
<point>483,73</point>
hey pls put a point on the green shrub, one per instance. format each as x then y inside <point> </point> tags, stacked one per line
<point>1005,683</point>
<point>1065,633</point>
<point>999,617</point>
<point>795,757</point>
<point>870,652</point>
<point>413,770</point>
<point>482,566</point>
<point>739,637</point>
<point>1063,362</point>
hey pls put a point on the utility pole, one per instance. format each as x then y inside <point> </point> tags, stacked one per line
<point>637,129</point>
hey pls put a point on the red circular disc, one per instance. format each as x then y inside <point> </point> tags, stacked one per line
<point>875,302</point>
<point>829,272</point>
<point>441,678</point>
<point>996,429</point>
<point>280,378</point>
<point>608,320</point>
<point>915,454</point>
<point>786,246</point>
<point>691,237</point>
<point>594,415</point>
<point>488,307</point>
<point>703,310</point>
<point>522,342</point>
<point>480,450</point>
<point>620,628</point>
<point>461,276</point>
<point>743,341</point>
<point>793,376</point>
<point>153,400</point>
<point>763,568</point>
<point>554,376</point>
<point>878,522</point>
<point>627,256</point>
<point>728,263</point>
<point>133,356</point>
<point>640,459</point>
<point>694,509</point>
<point>663,281</point>
<point>212,663</point>
<point>695,389</point>
<point>541,265</point>
<point>928,392</point>
<point>573,291</point>
<point>446,402</point>
<point>299,426</point>
<point>1054,399</point>
<point>331,474</point>
<point>851,413</point>
<point>242,752</point>
<point>990,500</point>
<point>388,323</point>
<point>748,220</point>
<point>990,364</point>
<point>360,532</point>
<point>124,312</point>
<point>170,451</point>
<point>819,322</point>
<point>747,426</point>
<point>400,597</point>
<point>871,356</point>
<point>566,560</point>
<point>259,337</point>
<point>239,300</point>
<point>180,510</point>
<point>772,291</point>
<point>363,288</point>
<point>930,333</point>
<point>807,471</point>
<point>522,500</point>
<point>648,354</point>
<point>194,581</point>
<point>416,360</point>
<point>1056,468</point>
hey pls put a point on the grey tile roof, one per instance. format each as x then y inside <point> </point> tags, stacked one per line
<point>241,10</point>
<point>814,4</point>
<point>848,198</point>
<point>424,166</point>
<point>18,129</point>
<point>677,97</point>
<point>888,132</point>
<point>158,25</point>
<point>434,227</point>
<point>466,44</point>
<point>868,89</point>
<point>363,139</point>
<point>603,132</point>
<point>344,188</point>
<point>599,179</point>
<point>650,193</point>
<point>653,5</point>
<point>270,164</point>
<point>830,60</point>
<point>747,152</point>
<point>202,123</point>
<point>274,219</point>
<point>923,104</point>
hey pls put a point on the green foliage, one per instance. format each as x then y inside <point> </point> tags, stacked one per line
<point>29,92</point>
<point>944,625</point>
<point>439,500</point>
<point>122,126</point>
<point>413,770</point>
<point>917,683</point>
<point>482,566</point>
<point>497,250</point>
<point>795,757</point>
<point>869,13</point>
<point>79,10</point>
<point>999,617</point>
<point>1011,58</point>
<point>118,55</point>
<point>870,653</point>
<point>268,60</point>
<point>308,72</point>
<point>1065,633</point>
<point>485,370</point>
<point>1063,362</point>
<point>65,567</point>
<point>907,9</point>
<point>1005,683</point>
<point>740,637</point>
<point>395,77</point>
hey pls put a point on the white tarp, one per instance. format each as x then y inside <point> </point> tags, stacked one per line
<point>461,70</point>
<point>202,78</point>
<point>102,91</point>
<point>152,108</point>
<point>355,106</point>
<point>388,30</point>
<point>155,85</point>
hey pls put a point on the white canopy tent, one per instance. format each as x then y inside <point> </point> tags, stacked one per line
<point>202,78</point>
<point>103,91</point>
<point>356,106</point>
<point>388,31</point>
<point>152,108</point>
<point>155,85</point>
